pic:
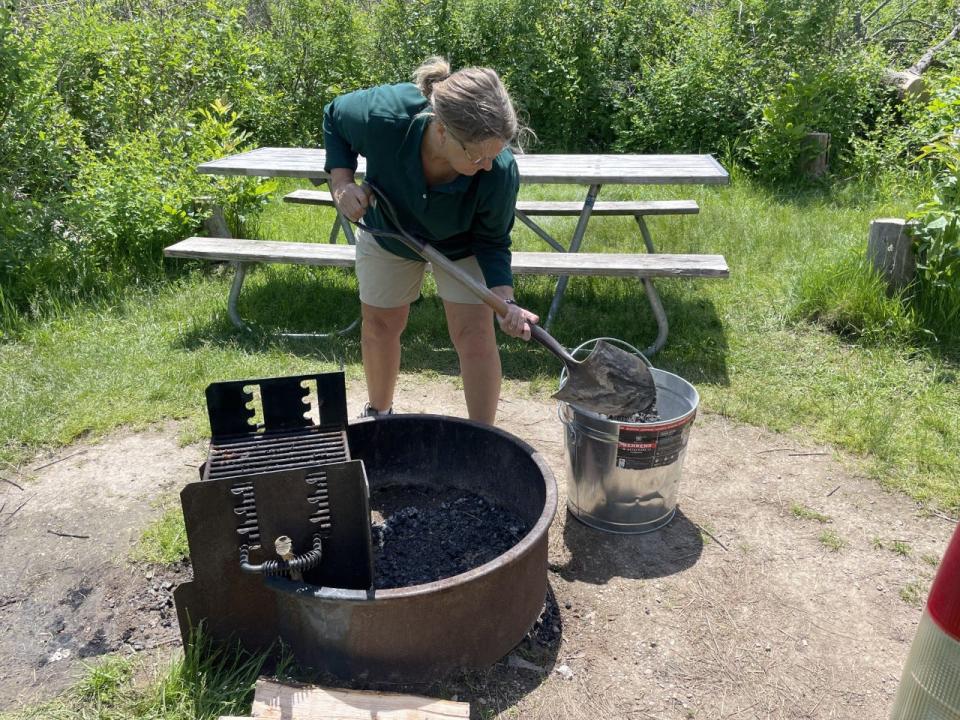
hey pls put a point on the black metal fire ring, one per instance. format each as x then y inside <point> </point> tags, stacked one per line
<point>409,634</point>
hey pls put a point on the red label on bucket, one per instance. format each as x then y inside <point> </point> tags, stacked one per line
<point>641,447</point>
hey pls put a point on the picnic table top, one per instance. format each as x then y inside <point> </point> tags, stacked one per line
<point>579,169</point>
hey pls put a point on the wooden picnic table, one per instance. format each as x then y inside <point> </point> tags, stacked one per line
<point>567,169</point>
<point>594,171</point>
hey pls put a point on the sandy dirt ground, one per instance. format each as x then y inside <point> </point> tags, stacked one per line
<point>745,606</point>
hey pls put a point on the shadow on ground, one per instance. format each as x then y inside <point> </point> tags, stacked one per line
<point>593,307</point>
<point>596,556</point>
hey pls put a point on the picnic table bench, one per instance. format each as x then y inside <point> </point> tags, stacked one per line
<point>592,170</point>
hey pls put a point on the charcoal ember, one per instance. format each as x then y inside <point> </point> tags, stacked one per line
<point>424,534</point>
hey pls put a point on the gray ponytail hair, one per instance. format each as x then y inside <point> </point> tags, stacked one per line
<point>471,102</point>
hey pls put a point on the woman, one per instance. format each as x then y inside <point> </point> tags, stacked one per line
<point>438,149</point>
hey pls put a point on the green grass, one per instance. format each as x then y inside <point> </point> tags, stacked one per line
<point>911,593</point>
<point>892,402</point>
<point>164,541</point>
<point>203,683</point>
<point>901,548</point>
<point>830,540</point>
<point>804,513</point>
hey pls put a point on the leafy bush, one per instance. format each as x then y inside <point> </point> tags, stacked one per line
<point>839,98</point>
<point>936,233</point>
<point>97,154</point>
<point>694,99</point>
<point>142,194</point>
<point>39,145</point>
<point>559,71</point>
<point>314,51</point>
<point>119,75</point>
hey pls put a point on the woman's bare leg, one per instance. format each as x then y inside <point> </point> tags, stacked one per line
<point>473,336</point>
<point>380,345</point>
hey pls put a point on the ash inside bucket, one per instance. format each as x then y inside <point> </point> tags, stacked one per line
<point>423,533</point>
<point>650,415</point>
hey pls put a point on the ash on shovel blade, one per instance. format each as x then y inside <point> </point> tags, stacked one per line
<point>610,382</point>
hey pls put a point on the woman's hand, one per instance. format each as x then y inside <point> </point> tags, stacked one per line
<point>352,200</point>
<point>517,321</point>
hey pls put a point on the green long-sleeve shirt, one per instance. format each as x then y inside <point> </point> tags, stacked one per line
<point>467,216</point>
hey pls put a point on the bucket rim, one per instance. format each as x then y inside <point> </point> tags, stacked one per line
<point>662,424</point>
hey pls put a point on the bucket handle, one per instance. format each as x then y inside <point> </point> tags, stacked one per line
<point>623,344</point>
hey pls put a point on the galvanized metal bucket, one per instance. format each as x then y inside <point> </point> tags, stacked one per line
<point>623,477</point>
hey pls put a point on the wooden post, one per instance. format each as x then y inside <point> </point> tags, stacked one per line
<point>216,224</point>
<point>890,251</point>
<point>816,149</point>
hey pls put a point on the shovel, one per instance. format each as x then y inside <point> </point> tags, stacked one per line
<point>610,381</point>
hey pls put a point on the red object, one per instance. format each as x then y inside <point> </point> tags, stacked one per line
<point>943,604</point>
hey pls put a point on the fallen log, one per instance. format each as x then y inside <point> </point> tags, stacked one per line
<point>909,83</point>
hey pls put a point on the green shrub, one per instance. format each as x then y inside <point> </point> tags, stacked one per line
<point>39,145</point>
<point>936,233</point>
<point>559,71</point>
<point>120,74</point>
<point>405,32</point>
<point>837,97</point>
<point>142,194</point>
<point>315,50</point>
<point>694,99</point>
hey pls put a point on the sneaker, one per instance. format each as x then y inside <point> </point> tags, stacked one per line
<point>370,411</point>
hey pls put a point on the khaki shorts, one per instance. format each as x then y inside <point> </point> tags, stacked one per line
<point>389,281</point>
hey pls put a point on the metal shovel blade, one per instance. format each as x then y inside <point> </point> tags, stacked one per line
<point>611,381</point>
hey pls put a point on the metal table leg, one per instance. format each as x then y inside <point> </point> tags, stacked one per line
<point>240,268</point>
<point>663,326</point>
<point>347,228</point>
<point>541,233</point>
<point>234,314</point>
<point>238,278</point>
<point>574,247</point>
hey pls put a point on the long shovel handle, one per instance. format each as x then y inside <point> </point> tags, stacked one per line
<point>483,293</point>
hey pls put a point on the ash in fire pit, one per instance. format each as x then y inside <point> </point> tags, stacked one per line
<point>422,534</point>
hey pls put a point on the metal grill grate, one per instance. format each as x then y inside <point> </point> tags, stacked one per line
<point>272,452</point>
<point>252,454</point>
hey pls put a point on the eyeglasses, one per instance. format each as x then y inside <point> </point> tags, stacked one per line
<point>469,155</point>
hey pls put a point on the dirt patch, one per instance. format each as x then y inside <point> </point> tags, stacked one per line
<point>67,591</point>
<point>787,586</point>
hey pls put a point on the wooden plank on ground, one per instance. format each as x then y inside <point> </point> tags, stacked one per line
<point>281,701</point>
